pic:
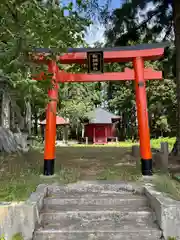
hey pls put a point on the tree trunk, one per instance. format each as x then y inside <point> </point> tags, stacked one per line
<point>109,91</point>
<point>35,123</point>
<point>12,119</point>
<point>28,117</point>
<point>18,117</point>
<point>176,18</point>
<point>65,134</point>
<point>5,113</point>
<point>134,124</point>
<point>83,131</point>
<point>123,127</point>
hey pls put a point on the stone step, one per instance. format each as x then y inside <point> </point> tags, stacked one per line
<point>94,187</point>
<point>122,200</point>
<point>87,194</point>
<point>129,206</point>
<point>101,225</point>
<point>83,217</point>
<point>79,208</point>
<point>96,211</point>
<point>124,234</point>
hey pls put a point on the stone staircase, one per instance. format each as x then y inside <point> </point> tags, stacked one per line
<point>96,211</point>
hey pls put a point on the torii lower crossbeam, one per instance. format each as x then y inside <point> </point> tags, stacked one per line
<point>127,75</point>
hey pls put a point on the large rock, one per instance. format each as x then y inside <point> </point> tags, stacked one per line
<point>12,142</point>
<point>21,140</point>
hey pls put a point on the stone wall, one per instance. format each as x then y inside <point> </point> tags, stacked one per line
<point>22,217</point>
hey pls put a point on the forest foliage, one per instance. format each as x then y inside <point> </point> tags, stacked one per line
<point>25,25</point>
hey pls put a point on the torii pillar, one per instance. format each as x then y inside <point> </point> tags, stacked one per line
<point>142,115</point>
<point>50,131</point>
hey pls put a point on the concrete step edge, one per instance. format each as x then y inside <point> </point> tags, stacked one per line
<point>96,212</point>
<point>92,208</point>
<point>92,231</point>
<point>99,236</point>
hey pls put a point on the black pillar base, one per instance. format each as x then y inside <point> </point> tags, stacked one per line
<point>146,167</point>
<point>48,167</point>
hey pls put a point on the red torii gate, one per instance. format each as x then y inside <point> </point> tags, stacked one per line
<point>137,54</point>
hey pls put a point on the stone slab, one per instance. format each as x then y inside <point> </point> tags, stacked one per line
<point>167,212</point>
<point>161,161</point>
<point>135,151</point>
<point>164,147</point>
<point>22,217</point>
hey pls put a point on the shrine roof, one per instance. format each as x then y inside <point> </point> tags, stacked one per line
<point>101,116</point>
<point>59,121</point>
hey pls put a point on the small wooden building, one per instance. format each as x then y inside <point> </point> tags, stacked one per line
<point>101,126</point>
<point>59,122</point>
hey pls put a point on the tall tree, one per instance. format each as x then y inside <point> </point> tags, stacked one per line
<point>25,25</point>
<point>176,20</point>
<point>133,21</point>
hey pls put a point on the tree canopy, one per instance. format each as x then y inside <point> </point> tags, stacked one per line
<point>25,25</point>
<point>146,22</point>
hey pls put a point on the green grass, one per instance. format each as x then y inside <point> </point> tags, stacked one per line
<point>20,174</point>
<point>155,143</point>
<point>114,144</point>
<point>124,173</point>
<point>165,184</point>
<point>17,236</point>
<point>19,189</point>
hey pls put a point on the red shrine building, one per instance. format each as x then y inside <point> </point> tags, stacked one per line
<point>101,126</point>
